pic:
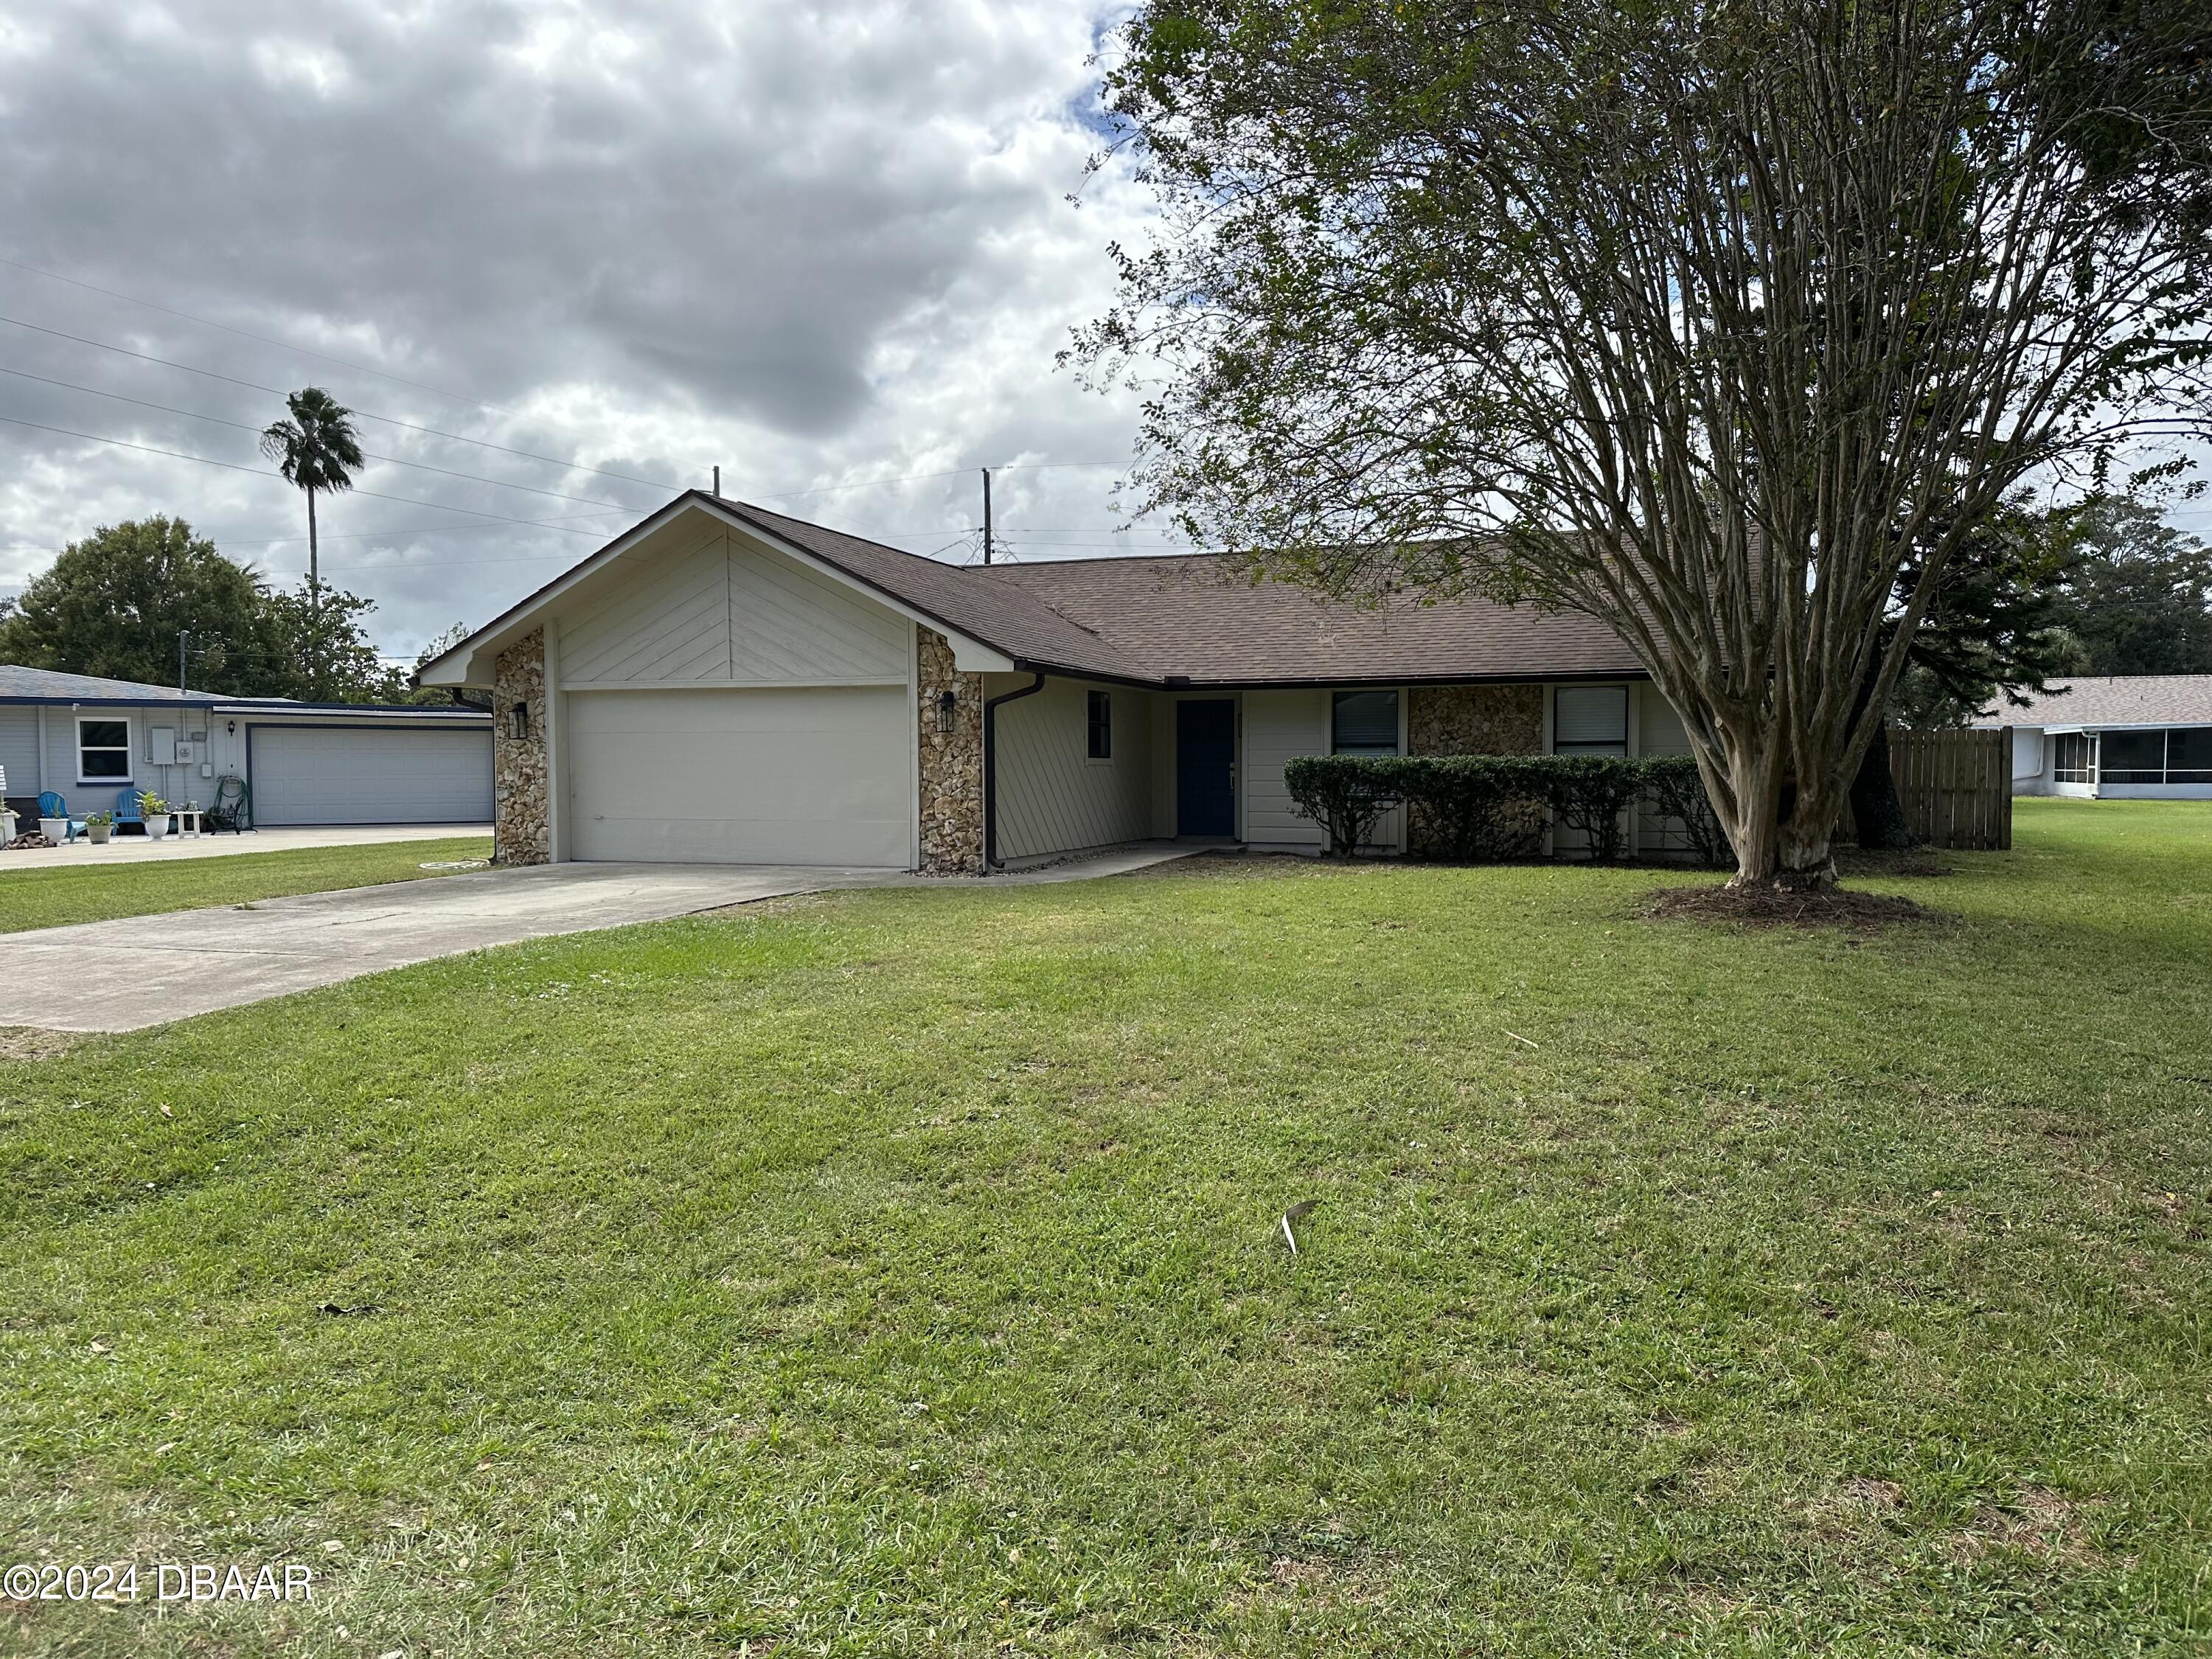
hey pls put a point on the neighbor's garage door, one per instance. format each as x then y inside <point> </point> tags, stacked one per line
<point>816,776</point>
<point>370,775</point>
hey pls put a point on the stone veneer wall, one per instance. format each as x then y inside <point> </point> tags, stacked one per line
<point>520,834</point>
<point>951,764</point>
<point>1476,719</point>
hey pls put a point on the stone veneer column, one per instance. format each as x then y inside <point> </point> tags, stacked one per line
<point>951,763</point>
<point>521,811</point>
<point>1473,719</point>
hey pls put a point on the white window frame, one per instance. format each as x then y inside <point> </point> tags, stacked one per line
<point>1392,691</point>
<point>1626,742</point>
<point>129,775</point>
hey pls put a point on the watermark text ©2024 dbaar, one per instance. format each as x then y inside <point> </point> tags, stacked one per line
<point>158,1581</point>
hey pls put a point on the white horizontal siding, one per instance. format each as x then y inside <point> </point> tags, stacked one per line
<point>1280,725</point>
<point>1052,797</point>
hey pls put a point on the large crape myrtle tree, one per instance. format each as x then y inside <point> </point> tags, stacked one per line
<point>1710,320</point>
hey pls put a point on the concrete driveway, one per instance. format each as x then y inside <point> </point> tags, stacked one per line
<point>146,970</point>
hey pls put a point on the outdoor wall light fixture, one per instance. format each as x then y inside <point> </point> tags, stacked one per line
<point>517,722</point>
<point>233,726</point>
<point>946,702</point>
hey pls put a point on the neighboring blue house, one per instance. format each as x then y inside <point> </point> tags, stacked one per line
<point>87,739</point>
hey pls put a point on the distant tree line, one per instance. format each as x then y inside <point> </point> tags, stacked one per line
<point>2107,587</point>
<point>114,604</point>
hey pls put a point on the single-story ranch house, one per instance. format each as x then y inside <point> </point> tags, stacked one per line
<point>2113,736</point>
<point>88,739</point>
<point>722,683</point>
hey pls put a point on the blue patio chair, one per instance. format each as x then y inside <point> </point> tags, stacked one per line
<point>127,809</point>
<point>52,805</point>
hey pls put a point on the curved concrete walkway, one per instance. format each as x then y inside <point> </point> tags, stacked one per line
<point>138,971</point>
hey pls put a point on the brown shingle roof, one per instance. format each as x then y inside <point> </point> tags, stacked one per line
<point>1187,617</point>
<point>1196,616</point>
<point>2116,700</point>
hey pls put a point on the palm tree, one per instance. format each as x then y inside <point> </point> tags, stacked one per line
<point>317,448</point>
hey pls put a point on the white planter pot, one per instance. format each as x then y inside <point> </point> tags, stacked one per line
<point>98,833</point>
<point>54,830</point>
<point>157,825</point>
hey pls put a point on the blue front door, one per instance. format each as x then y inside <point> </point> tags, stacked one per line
<point>1206,750</point>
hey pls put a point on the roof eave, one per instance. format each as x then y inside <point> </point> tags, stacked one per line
<point>473,661</point>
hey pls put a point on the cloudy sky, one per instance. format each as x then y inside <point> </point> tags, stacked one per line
<point>820,246</point>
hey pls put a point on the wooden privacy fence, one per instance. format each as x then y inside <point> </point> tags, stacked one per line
<point>1956,786</point>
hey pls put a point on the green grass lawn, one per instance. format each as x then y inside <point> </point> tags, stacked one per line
<point>899,1272</point>
<point>53,895</point>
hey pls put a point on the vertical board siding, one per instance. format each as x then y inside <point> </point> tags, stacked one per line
<point>1956,786</point>
<point>1052,797</point>
<point>1280,725</point>
<point>720,611</point>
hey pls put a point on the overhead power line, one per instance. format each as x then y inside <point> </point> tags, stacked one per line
<point>248,334</point>
<point>367,415</point>
<point>242,425</point>
<point>265,472</point>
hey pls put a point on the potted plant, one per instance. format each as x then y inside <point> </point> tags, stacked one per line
<point>157,814</point>
<point>99,826</point>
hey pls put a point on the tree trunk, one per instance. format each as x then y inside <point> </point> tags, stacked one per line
<point>1780,831</point>
<point>314,607</point>
<point>1874,802</point>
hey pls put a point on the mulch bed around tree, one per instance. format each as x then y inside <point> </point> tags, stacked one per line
<point>1774,907</point>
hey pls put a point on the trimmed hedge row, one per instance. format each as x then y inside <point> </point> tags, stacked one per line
<point>1497,806</point>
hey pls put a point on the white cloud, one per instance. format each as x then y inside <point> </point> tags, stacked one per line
<point>814,245</point>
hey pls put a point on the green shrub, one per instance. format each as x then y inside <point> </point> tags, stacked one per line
<point>1590,794</point>
<point>1673,787</point>
<point>1346,794</point>
<point>1475,807</point>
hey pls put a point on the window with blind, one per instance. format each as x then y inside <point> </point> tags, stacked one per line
<point>1590,720</point>
<point>1365,723</point>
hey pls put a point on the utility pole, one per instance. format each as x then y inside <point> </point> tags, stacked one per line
<point>183,634</point>
<point>986,515</point>
<point>718,483</point>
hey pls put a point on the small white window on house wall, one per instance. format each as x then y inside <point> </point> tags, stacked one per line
<point>1590,720</point>
<point>103,751</point>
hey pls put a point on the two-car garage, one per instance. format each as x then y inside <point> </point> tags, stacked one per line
<point>818,774</point>
<point>359,772</point>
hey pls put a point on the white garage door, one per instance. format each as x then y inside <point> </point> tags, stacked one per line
<point>811,775</point>
<point>370,775</point>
